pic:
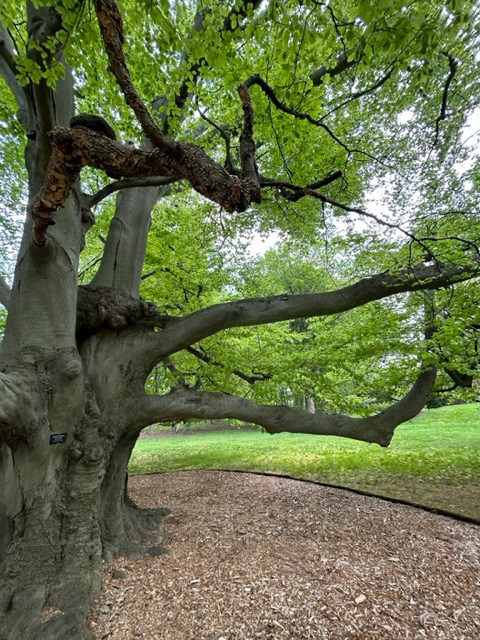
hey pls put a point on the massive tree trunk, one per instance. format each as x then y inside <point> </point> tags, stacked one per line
<point>62,506</point>
<point>63,450</point>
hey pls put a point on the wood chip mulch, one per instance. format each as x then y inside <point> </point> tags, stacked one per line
<point>270,558</point>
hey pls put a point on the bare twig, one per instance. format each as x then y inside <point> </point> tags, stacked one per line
<point>251,379</point>
<point>453,65</point>
<point>128,183</point>
<point>229,166</point>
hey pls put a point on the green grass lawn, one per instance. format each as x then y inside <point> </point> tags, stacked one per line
<point>432,460</point>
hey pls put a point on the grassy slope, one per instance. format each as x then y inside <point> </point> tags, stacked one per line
<point>432,460</point>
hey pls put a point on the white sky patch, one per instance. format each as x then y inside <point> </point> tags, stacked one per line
<point>471,132</point>
<point>471,139</point>
<point>405,116</point>
<point>260,244</point>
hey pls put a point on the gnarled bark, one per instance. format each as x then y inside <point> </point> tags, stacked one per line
<point>78,147</point>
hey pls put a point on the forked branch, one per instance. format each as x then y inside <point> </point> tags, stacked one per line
<point>78,147</point>
<point>255,376</point>
<point>256,79</point>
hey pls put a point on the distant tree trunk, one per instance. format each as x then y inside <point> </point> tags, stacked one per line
<point>310,404</point>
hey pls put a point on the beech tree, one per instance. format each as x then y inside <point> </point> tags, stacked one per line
<point>278,115</point>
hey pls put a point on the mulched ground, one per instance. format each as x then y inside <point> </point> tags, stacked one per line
<point>275,559</point>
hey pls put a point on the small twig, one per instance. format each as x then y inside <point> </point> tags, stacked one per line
<point>229,166</point>
<point>128,183</point>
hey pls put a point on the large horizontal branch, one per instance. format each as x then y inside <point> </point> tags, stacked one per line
<point>182,332</point>
<point>183,403</point>
<point>4,292</point>
<point>78,147</point>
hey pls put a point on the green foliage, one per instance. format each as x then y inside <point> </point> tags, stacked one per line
<point>378,123</point>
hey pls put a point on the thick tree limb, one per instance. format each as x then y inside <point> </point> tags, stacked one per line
<point>460,379</point>
<point>247,143</point>
<point>182,403</point>
<point>453,65</point>
<point>111,28</point>
<point>4,292</point>
<point>76,148</point>
<point>183,332</point>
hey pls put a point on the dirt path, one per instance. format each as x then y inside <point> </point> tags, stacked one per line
<point>276,559</point>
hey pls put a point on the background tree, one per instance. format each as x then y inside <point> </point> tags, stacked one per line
<point>286,115</point>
